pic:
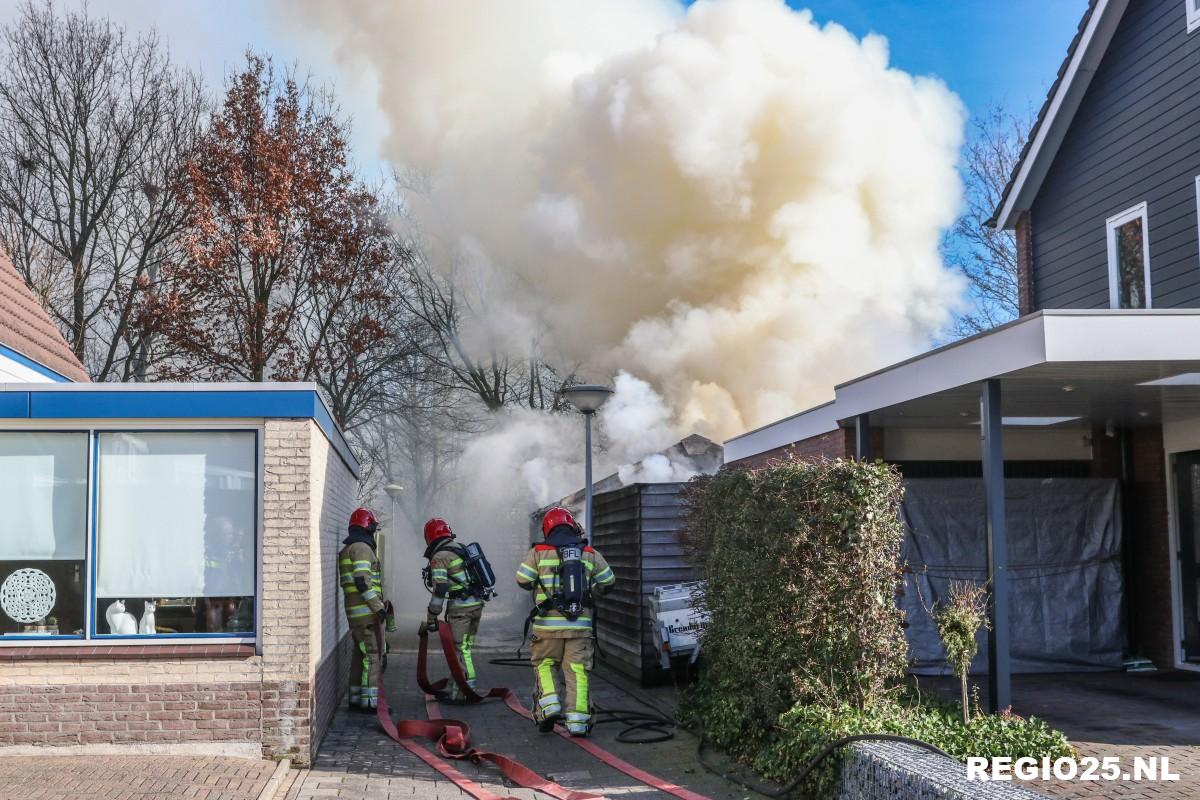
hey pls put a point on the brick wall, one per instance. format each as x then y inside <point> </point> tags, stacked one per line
<point>834,444</point>
<point>125,713</point>
<point>333,493</point>
<point>1025,289</point>
<point>280,699</point>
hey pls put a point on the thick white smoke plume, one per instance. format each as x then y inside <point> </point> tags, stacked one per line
<point>733,204</point>
<point>728,201</point>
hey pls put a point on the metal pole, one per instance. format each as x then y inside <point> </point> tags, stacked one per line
<point>862,437</point>
<point>992,427</point>
<point>587,511</point>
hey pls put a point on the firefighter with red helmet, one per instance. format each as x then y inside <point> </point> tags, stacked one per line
<point>564,574</point>
<point>451,588</point>
<point>362,586</point>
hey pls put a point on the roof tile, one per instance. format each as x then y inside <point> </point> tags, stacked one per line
<point>26,328</point>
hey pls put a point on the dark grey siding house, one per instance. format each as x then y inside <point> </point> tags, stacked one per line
<point>1097,384</point>
<point>1133,140</point>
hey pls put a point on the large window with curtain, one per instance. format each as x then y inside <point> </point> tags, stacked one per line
<point>128,534</point>
<point>43,533</point>
<point>175,518</point>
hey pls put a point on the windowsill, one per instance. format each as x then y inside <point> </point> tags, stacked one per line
<point>94,652</point>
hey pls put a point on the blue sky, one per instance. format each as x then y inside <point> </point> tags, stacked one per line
<point>986,51</point>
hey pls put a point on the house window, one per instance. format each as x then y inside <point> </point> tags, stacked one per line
<point>1193,14</point>
<point>175,522</point>
<point>1129,259</point>
<point>128,534</point>
<point>43,527</point>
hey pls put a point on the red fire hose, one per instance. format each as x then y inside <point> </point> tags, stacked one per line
<point>452,737</point>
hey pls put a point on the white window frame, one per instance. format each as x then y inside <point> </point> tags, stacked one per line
<point>1193,14</point>
<point>1140,211</point>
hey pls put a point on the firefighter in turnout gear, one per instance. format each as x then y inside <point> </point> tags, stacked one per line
<point>362,587</point>
<point>450,585</point>
<point>564,574</point>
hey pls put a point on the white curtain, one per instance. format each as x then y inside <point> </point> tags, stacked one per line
<point>176,515</point>
<point>43,495</point>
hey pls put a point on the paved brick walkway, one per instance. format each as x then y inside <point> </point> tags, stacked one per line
<point>132,778</point>
<point>358,762</point>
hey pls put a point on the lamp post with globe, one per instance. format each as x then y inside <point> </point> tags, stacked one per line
<point>393,490</point>
<point>587,399</point>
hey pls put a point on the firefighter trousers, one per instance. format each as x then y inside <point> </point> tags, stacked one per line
<point>365,665</point>
<point>464,627</point>
<point>573,657</point>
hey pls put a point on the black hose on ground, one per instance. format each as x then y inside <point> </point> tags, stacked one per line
<point>641,727</point>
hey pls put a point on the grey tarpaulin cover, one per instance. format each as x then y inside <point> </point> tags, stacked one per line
<point>1064,545</point>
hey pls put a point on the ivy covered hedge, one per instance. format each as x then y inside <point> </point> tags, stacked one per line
<point>800,561</point>
<point>806,641</point>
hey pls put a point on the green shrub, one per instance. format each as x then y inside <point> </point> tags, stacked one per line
<point>800,561</point>
<point>958,622</point>
<point>806,729</point>
<point>805,643</point>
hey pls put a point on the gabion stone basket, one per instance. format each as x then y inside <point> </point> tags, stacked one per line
<point>27,595</point>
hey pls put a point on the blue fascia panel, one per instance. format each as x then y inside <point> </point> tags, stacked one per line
<point>14,405</point>
<point>171,405</point>
<point>83,404</point>
<point>36,366</point>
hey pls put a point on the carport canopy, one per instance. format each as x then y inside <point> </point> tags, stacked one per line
<point>1079,369</point>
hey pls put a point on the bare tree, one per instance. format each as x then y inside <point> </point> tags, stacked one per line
<point>452,307</point>
<point>94,128</point>
<point>987,257</point>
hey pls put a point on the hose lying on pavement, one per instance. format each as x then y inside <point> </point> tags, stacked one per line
<point>660,728</point>
<point>641,727</point>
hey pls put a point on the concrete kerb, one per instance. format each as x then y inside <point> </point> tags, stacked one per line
<point>276,780</point>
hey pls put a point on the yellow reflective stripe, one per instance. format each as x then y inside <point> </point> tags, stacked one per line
<point>589,566</point>
<point>345,562</point>
<point>545,676</point>
<point>548,562</point>
<point>369,594</point>
<point>362,565</point>
<point>581,688</point>
<point>526,571</point>
<point>359,611</point>
<point>465,652</point>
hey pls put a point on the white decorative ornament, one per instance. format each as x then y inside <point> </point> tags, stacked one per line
<point>27,595</point>
<point>120,621</point>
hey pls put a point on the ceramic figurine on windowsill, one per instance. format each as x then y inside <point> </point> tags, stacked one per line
<point>146,623</point>
<point>120,621</point>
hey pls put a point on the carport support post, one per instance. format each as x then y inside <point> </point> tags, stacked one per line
<point>862,437</point>
<point>992,431</point>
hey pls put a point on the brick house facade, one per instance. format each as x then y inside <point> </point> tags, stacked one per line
<point>271,692</point>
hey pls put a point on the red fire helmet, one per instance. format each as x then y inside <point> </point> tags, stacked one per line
<point>437,528</point>
<point>555,517</point>
<point>363,518</point>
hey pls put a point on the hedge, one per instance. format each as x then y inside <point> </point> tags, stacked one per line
<point>801,562</point>
<point>806,642</point>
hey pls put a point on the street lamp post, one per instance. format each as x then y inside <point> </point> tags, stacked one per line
<point>587,398</point>
<point>393,490</point>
